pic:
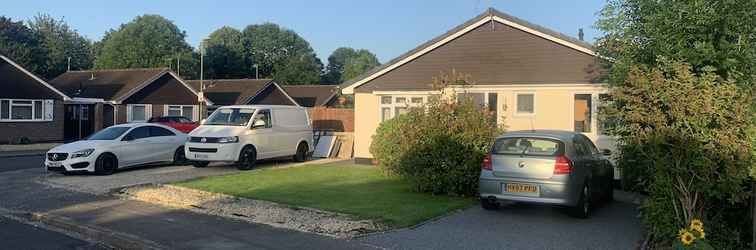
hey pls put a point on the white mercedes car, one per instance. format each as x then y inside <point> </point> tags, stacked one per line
<point>117,147</point>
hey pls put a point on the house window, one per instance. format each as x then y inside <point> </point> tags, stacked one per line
<point>24,110</point>
<point>583,110</point>
<point>138,112</point>
<point>391,106</point>
<point>180,110</point>
<point>487,100</point>
<point>525,103</point>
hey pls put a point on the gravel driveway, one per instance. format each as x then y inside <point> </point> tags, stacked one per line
<point>521,226</point>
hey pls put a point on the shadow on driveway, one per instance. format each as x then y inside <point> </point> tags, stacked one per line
<point>522,226</point>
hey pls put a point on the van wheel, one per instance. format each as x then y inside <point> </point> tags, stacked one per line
<point>200,164</point>
<point>106,164</point>
<point>301,152</point>
<point>179,157</point>
<point>583,207</point>
<point>247,158</point>
<point>488,204</point>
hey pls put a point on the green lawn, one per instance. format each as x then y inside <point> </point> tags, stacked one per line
<point>363,191</point>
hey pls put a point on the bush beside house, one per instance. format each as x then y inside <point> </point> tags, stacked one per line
<point>438,147</point>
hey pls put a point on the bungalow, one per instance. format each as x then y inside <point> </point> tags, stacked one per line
<point>101,98</point>
<point>265,91</point>
<point>223,92</point>
<point>530,76</point>
<point>28,103</point>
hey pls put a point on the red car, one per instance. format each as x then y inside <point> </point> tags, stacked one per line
<point>180,123</point>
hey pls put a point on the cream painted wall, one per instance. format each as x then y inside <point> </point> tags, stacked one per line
<point>366,120</point>
<point>553,110</point>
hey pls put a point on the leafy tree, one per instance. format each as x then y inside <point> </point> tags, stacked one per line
<point>22,45</point>
<point>272,47</point>
<point>298,70</point>
<point>61,42</point>
<point>345,63</point>
<point>146,41</point>
<point>361,63</point>
<point>224,56</point>
<point>684,140</point>
<point>702,33</point>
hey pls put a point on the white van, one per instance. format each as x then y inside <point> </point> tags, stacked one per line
<point>247,133</point>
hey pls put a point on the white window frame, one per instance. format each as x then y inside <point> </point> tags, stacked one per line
<point>486,101</point>
<point>535,103</point>
<point>147,112</point>
<point>47,110</point>
<point>193,116</point>
<point>393,105</point>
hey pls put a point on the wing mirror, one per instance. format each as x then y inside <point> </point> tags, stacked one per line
<point>128,138</point>
<point>203,121</point>
<point>606,152</point>
<point>258,124</point>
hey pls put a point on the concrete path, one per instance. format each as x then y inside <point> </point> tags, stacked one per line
<point>521,226</point>
<point>17,235</point>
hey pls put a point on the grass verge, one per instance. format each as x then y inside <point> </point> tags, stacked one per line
<point>363,191</point>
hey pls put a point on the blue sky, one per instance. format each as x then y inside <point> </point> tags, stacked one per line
<point>388,28</point>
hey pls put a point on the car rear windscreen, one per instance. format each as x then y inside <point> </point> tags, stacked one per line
<point>528,146</point>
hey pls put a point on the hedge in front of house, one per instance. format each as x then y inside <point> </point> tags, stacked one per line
<point>439,147</point>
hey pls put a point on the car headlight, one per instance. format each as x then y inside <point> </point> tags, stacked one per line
<point>82,153</point>
<point>230,139</point>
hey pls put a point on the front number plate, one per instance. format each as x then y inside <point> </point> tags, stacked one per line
<point>54,164</point>
<point>199,156</point>
<point>520,188</point>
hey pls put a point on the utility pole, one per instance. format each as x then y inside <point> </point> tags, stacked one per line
<point>178,65</point>
<point>69,64</point>
<point>256,70</point>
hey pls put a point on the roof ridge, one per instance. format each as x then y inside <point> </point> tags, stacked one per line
<point>311,85</point>
<point>118,70</point>
<point>229,80</point>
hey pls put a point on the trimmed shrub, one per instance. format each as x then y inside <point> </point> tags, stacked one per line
<point>438,147</point>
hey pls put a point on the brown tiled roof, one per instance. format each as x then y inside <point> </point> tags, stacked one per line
<point>230,91</point>
<point>487,13</point>
<point>311,95</point>
<point>109,84</point>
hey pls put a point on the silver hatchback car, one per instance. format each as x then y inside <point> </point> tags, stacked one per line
<point>552,167</point>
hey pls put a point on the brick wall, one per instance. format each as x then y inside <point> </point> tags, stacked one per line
<point>332,119</point>
<point>44,131</point>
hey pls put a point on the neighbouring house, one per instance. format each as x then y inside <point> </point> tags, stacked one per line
<point>223,92</point>
<point>530,76</point>
<point>313,95</point>
<point>30,109</point>
<point>101,98</point>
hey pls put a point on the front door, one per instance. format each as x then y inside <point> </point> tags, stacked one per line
<point>79,121</point>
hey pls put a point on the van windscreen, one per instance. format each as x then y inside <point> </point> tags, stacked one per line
<point>230,116</point>
<point>528,146</point>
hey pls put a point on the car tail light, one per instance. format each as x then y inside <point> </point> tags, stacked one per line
<point>563,165</point>
<point>487,162</point>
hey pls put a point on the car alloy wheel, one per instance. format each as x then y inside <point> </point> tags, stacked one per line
<point>105,164</point>
<point>247,159</point>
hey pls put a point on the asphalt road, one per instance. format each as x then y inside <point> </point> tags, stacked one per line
<point>12,163</point>
<point>17,235</point>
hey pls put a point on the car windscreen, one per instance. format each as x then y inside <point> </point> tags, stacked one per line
<point>110,133</point>
<point>528,146</point>
<point>230,116</point>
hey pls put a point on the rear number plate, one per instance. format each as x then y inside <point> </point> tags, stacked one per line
<point>199,156</point>
<point>520,188</point>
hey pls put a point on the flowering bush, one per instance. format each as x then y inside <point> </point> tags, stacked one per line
<point>693,237</point>
<point>684,140</point>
